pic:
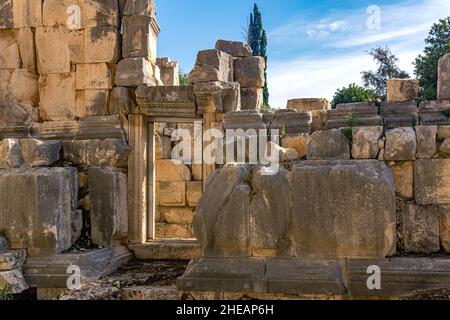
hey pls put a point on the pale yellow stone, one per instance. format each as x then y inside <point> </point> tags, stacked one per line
<point>299,142</point>
<point>194,191</point>
<point>24,87</point>
<point>57,97</point>
<point>27,13</point>
<point>399,90</point>
<point>173,231</point>
<point>171,194</point>
<point>52,49</point>
<point>176,215</point>
<point>404,178</point>
<point>167,170</point>
<point>9,50</point>
<point>94,76</point>
<point>27,49</point>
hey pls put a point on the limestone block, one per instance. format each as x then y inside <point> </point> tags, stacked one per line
<point>328,145</point>
<point>27,13</point>
<point>444,228</point>
<point>170,75</point>
<point>9,50</point>
<point>38,153</point>
<point>109,212</point>
<point>163,147</point>
<point>52,50</point>
<point>270,213</point>
<point>96,153</point>
<point>289,121</point>
<point>319,120</point>
<point>94,76</point>
<point>365,142</point>
<point>10,154</point>
<point>76,225</point>
<point>235,48</point>
<point>93,13</point>
<point>102,44</point>
<point>13,281</point>
<point>343,209</point>
<point>251,98</point>
<point>399,114</point>
<point>92,102</point>
<point>140,8</point>
<point>421,229</point>
<point>194,191</point>
<point>5,79</point>
<point>299,142</point>
<point>57,97</point>
<point>24,87</point>
<point>353,114</point>
<point>13,115</point>
<point>212,65</point>
<point>197,172</point>
<point>399,90</point>
<point>167,170</point>
<point>11,260</point>
<point>249,72</point>
<point>401,144</point>
<point>308,104</point>
<point>434,113</point>
<point>404,178</point>
<point>432,181</point>
<point>134,72</point>
<point>6,14</point>
<point>171,194</point>
<point>121,101</point>
<point>4,246</point>
<point>445,147</point>
<point>41,220</point>
<point>217,97</point>
<point>27,50</point>
<point>177,215</point>
<point>426,141</point>
<point>174,231</point>
<point>443,132</point>
<point>443,89</point>
<point>282,154</point>
<point>138,35</point>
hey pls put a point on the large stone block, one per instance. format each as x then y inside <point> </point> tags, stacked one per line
<point>6,14</point>
<point>176,215</point>
<point>444,228</point>
<point>171,194</point>
<point>109,212</point>
<point>444,148</point>
<point>443,132</point>
<point>404,178</point>
<point>399,114</point>
<point>41,220</point>
<point>426,141</point>
<point>27,13</point>
<point>434,113</point>
<point>166,101</point>
<point>251,98</point>
<point>94,76</point>
<point>140,8</point>
<point>328,145</point>
<point>212,65</point>
<point>24,87</point>
<point>432,181</point>
<point>167,170</point>
<point>121,101</point>
<point>399,90</point>
<point>401,144</point>
<point>140,35</point>
<point>360,114</point>
<point>170,75</point>
<point>173,231</point>
<point>365,142</point>
<point>101,44</point>
<point>249,72</point>
<point>52,50</point>
<point>443,89</point>
<point>299,142</point>
<point>9,50</point>
<point>134,72</point>
<point>11,260</point>
<point>10,154</point>
<point>289,121</point>
<point>27,48</point>
<point>57,97</point>
<point>235,48</point>
<point>40,153</point>
<point>96,153</point>
<point>13,281</point>
<point>92,102</point>
<point>308,104</point>
<point>217,96</point>
<point>343,209</point>
<point>421,229</point>
<point>194,191</point>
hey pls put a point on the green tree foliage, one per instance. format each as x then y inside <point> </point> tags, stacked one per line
<point>352,93</point>
<point>426,64</point>
<point>183,78</point>
<point>387,69</point>
<point>257,40</point>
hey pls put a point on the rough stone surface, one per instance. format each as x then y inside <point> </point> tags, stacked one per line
<point>249,72</point>
<point>12,260</point>
<point>41,221</point>
<point>109,152</point>
<point>421,229</point>
<point>170,72</point>
<point>299,142</point>
<point>434,113</point>
<point>404,178</point>
<point>365,142</point>
<point>212,65</point>
<point>6,15</point>
<point>432,181</point>
<point>445,147</point>
<point>120,101</point>
<point>399,90</point>
<point>328,145</point>
<point>334,211</point>
<point>308,104</point>
<point>3,245</point>
<point>91,102</point>
<point>91,76</point>
<point>443,90</point>
<point>109,212</point>
<point>24,87</point>
<point>38,153</point>
<point>194,191</point>
<point>171,194</point>
<point>139,38</point>
<point>13,281</point>
<point>399,114</point>
<point>9,50</point>
<point>134,72</point>
<point>251,98</point>
<point>139,8</point>
<point>401,144</point>
<point>426,141</point>
<point>57,96</point>
<point>176,215</point>
<point>444,228</point>
<point>218,97</point>
<point>235,48</point>
<point>10,154</point>
<point>167,170</point>
<point>443,132</point>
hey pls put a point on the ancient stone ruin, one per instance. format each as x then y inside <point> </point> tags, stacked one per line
<point>89,118</point>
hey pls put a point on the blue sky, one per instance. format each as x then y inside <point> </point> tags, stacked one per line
<point>314,47</point>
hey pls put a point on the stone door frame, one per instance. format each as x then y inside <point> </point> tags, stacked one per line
<point>142,175</point>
